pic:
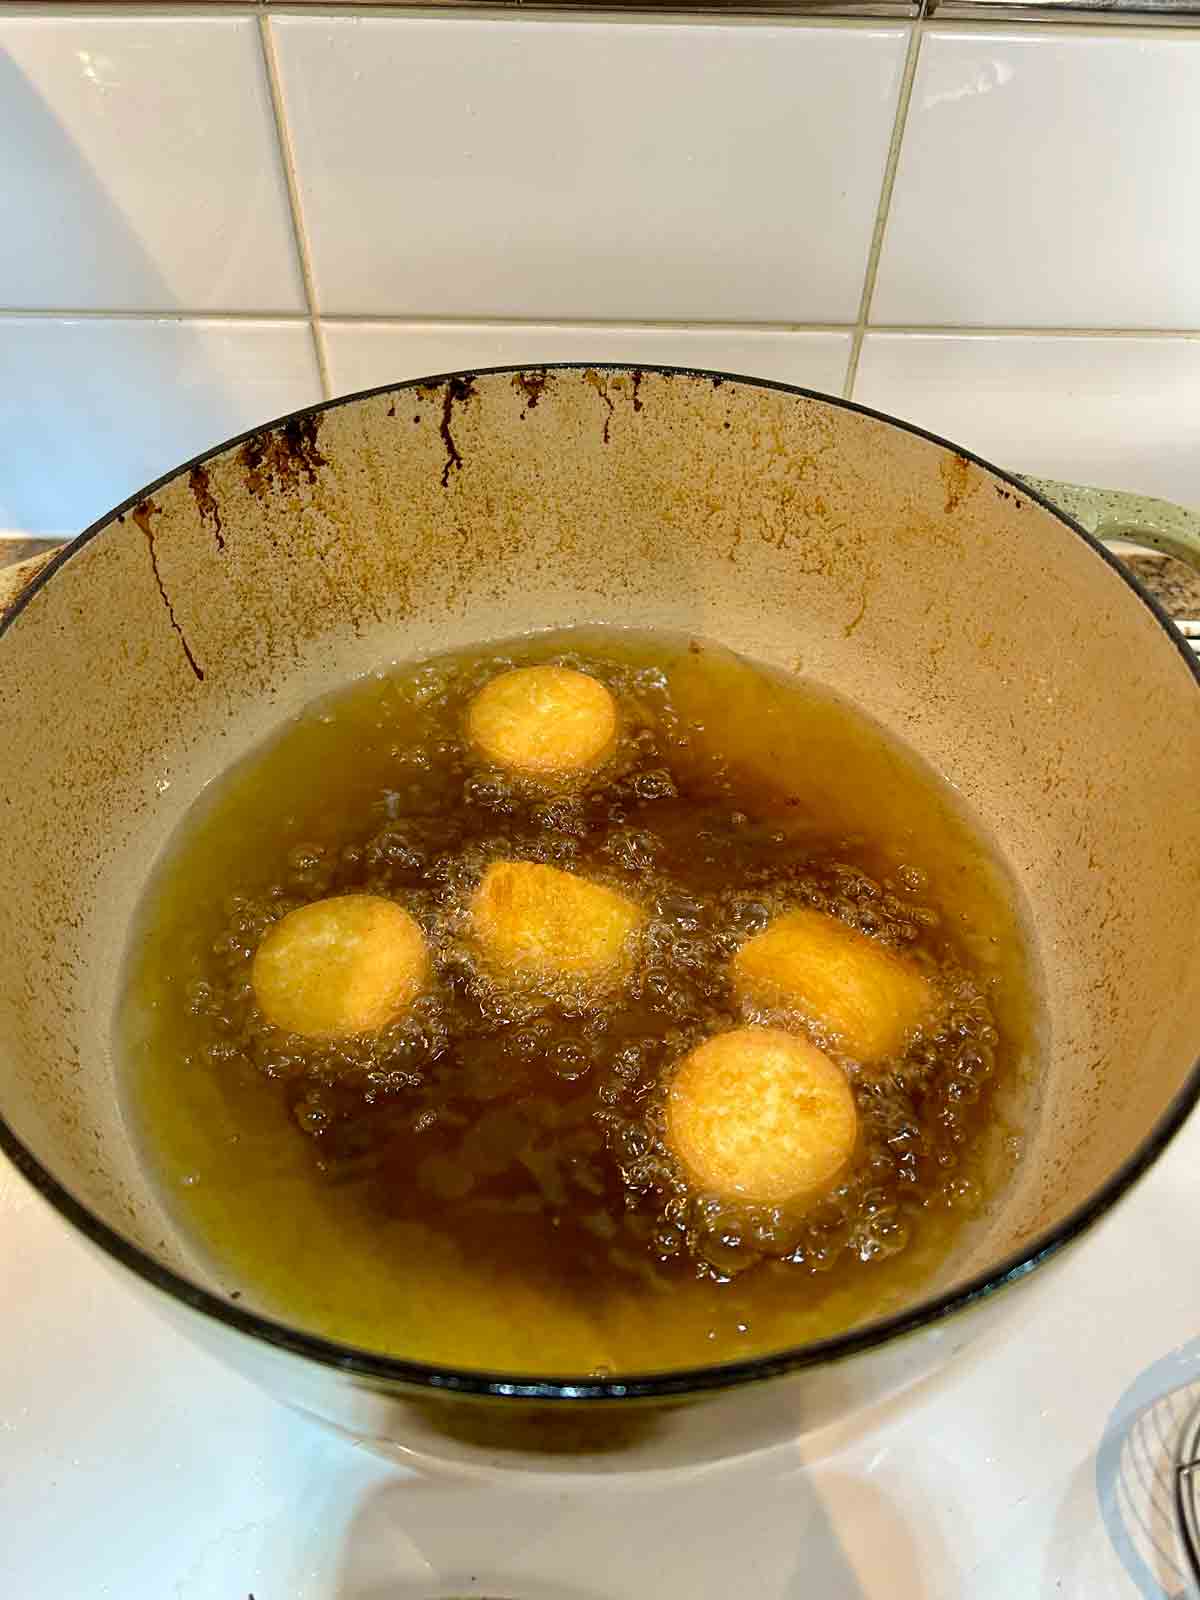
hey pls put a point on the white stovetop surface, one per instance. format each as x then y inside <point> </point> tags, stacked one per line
<point>132,1466</point>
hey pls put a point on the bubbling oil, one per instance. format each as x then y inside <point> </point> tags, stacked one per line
<point>487,1182</point>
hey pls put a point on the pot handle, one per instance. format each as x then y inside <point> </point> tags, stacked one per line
<point>1113,514</point>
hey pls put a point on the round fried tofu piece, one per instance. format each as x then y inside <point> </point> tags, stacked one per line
<point>340,967</point>
<point>865,996</point>
<point>543,722</point>
<point>537,926</point>
<point>761,1115</point>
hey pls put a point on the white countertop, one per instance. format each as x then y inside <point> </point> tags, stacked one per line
<point>133,1466</point>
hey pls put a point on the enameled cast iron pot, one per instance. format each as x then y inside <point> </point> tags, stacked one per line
<point>950,600</point>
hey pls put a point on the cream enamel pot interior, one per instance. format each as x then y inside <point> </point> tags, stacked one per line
<point>948,599</point>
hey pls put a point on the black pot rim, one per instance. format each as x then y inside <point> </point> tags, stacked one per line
<point>392,1371</point>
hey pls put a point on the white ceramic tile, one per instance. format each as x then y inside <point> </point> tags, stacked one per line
<point>1048,180</point>
<point>93,408</point>
<point>566,169</point>
<point>364,354</point>
<point>139,168</point>
<point>1121,413</point>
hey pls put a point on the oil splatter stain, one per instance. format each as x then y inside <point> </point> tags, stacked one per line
<point>600,384</point>
<point>868,579</point>
<point>200,484</point>
<point>142,514</point>
<point>956,472</point>
<point>283,458</point>
<point>457,392</point>
<point>532,385</point>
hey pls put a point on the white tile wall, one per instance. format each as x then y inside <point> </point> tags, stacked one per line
<point>93,408</point>
<point>139,168</point>
<point>1048,179</point>
<point>1124,412</point>
<point>364,354</point>
<point>458,189</point>
<point>571,169</point>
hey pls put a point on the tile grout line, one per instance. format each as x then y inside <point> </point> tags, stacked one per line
<point>983,330</point>
<point>416,319</point>
<point>383,319</point>
<point>1127,24</point>
<point>982,17</point>
<point>167,314</point>
<point>888,183</point>
<point>300,236</point>
<point>651,11</point>
<point>587,324</point>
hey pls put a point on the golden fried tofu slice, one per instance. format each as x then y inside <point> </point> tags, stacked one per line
<point>340,967</point>
<point>761,1115</point>
<point>536,926</point>
<point>867,998</point>
<point>543,722</point>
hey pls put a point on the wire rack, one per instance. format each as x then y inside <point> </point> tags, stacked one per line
<point>1187,1492</point>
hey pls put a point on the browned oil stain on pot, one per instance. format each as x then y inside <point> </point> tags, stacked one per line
<point>391,410</point>
<point>600,384</point>
<point>956,472</point>
<point>283,458</point>
<point>868,582</point>
<point>533,386</point>
<point>201,486</point>
<point>142,514</point>
<point>458,391</point>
